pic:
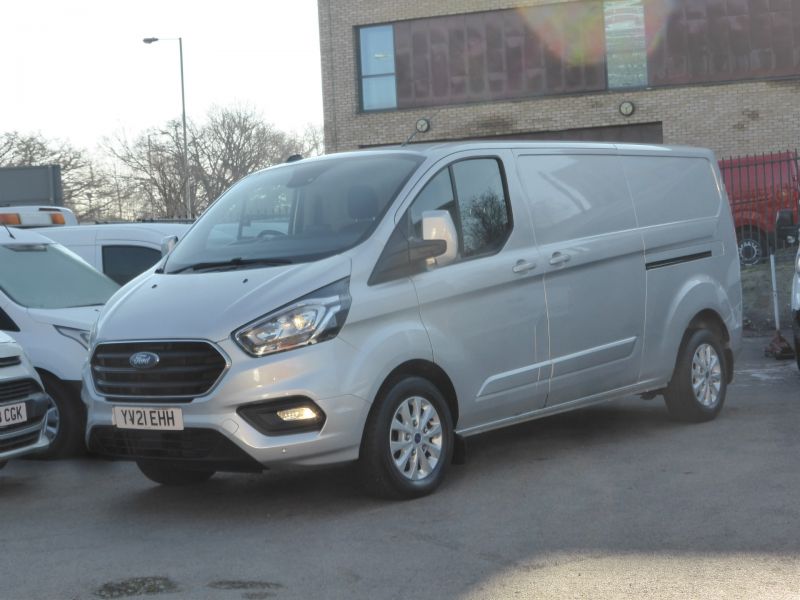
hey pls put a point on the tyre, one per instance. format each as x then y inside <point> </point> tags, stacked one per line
<point>408,441</point>
<point>697,390</point>
<point>171,474</point>
<point>752,246</point>
<point>65,425</point>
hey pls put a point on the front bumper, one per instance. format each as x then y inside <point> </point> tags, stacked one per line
<point>29,437</point>
<point>216,435</point>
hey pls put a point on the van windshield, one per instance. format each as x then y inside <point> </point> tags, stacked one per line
<point>297,212</point>
<point>49,276</point>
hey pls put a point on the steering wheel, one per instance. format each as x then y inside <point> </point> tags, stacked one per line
<point>267,232</point>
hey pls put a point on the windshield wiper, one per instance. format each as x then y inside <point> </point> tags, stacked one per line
<point>233,263</point>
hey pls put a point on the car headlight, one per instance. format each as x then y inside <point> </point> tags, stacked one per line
<point>797,264</point>
<point>311,319</point>
<point>79,335</point>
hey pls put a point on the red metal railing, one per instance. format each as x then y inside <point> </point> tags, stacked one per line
<point>759,186</point>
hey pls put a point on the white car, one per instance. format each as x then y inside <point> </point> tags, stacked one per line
<point>120,250</point>
<point>26,412</point>
<point>49,300</point>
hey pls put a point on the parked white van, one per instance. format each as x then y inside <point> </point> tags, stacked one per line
<point>377,306</point>
<point>49,300</point>
<point>26,412</point>
<point>119,250</point>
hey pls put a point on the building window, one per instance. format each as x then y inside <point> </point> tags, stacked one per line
<point>378,87</point>
<point>702,41</point>
<point>626,45</point>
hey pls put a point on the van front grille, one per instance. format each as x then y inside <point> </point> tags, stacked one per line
<point>9,361</point>
<point>177,371</point>
<point>22,441</point>
<point>190,445</point>
<point>18,389</point>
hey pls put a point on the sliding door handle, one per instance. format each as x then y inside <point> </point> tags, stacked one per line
<point>559,258</point>
<point>523,266</point>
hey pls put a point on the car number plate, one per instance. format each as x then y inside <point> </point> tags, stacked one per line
<point>164,419</point>
<point>13,414</point>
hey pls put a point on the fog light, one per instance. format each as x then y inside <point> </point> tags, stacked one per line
<point>301,413</point>
<point>296,414</point>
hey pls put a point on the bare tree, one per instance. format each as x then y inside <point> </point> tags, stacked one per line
<point>82,182</point>
<point>233,143</point>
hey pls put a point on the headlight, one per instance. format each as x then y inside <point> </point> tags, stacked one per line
<point>313,318</point>
<point>797,264</point>
<point>79,335</point>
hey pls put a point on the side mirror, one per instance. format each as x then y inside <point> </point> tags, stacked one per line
<point>168,243</point>
<point>438,225</point>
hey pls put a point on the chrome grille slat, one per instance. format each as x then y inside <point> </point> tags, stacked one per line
<point>17,389</point>
<point>184,371</point>
<point>10,361</point>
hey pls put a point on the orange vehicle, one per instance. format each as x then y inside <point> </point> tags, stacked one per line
<point>758,187</point>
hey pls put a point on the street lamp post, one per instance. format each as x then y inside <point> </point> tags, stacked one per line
<point>188,201</point>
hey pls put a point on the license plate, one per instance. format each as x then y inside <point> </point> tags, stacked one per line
<point>164,419</point>
<point>13,414</point>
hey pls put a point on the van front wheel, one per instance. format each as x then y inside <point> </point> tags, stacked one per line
<point>408,441</point>
<point>697,390</point>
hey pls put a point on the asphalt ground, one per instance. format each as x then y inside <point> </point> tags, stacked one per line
<point>614,501</point>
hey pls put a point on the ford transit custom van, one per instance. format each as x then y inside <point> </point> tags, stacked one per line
<point>380,306</point>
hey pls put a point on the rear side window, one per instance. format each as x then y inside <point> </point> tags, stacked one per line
<point>670,189</point>
<point>474,193</point>
<point>123,263</point>
<point>575,196</point>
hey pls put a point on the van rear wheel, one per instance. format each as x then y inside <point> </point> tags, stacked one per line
<point>171,474</point>
<point>697,390</point>
<point>408,441</point>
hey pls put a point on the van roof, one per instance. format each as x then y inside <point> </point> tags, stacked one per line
<point>441,149</point>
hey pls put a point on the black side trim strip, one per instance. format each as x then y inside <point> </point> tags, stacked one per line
<point>657,264</point>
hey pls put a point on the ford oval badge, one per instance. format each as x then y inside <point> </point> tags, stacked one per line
<point>144,360</point>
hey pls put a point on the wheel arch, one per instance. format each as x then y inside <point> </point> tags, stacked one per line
<point>711,320</point>
<point>427,370</point>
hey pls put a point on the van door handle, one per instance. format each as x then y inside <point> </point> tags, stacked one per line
<point>559,258</point>
<point>523,267</point>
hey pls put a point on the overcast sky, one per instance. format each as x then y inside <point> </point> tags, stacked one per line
<point>78,70</point>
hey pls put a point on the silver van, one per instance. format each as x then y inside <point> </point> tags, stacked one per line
<point>380,306</point>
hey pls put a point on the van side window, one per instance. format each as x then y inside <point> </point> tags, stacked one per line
<point>482,204</point>
<point>436,195</point>
<point>123,263</point>
<point>472,191</point>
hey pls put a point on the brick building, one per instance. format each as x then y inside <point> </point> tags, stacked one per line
<point>723,74</point>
